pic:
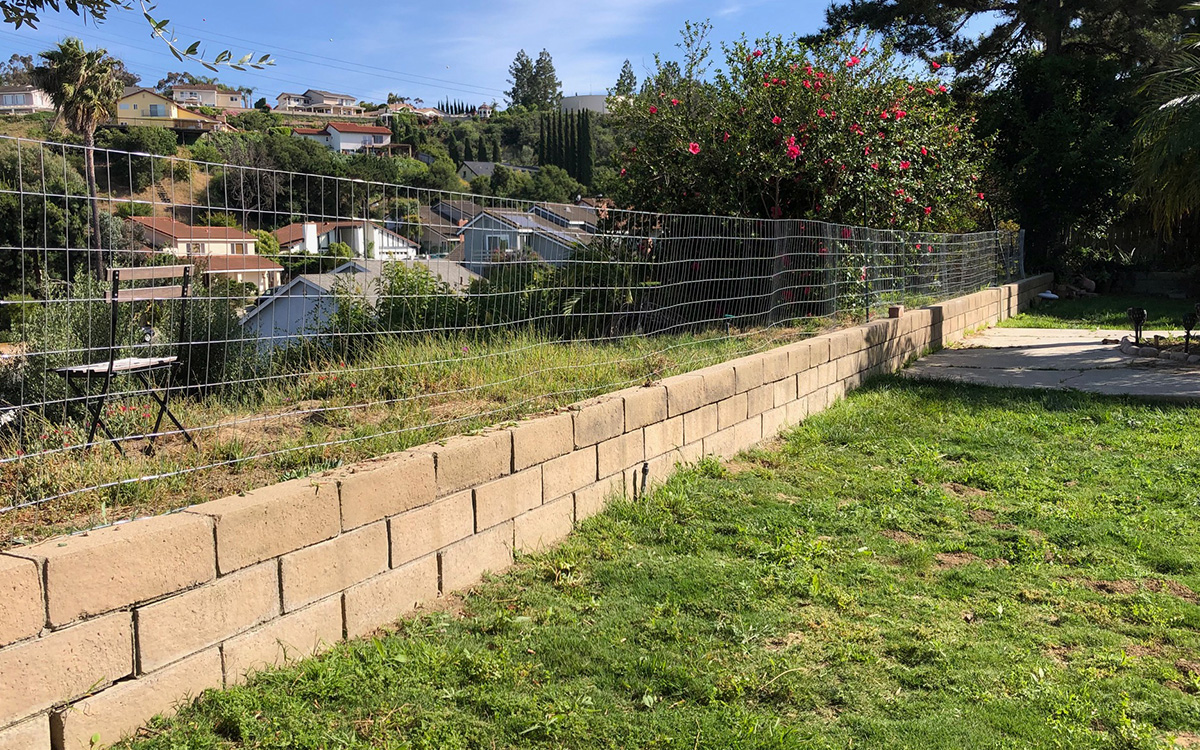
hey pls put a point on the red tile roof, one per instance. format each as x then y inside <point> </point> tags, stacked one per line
<point>235,263</point>
<point>178,230</point>
<point>308,131</point>
<point>348,127</point>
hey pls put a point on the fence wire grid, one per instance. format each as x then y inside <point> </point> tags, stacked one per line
<point>328,318</point>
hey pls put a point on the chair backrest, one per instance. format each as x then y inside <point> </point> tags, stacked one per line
<point>119,294</point>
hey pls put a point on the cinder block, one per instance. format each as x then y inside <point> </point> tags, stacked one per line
<point>880,331</point>
<point>856,339</point>
<point>775,421</point>
<point>598,420</point>
<point>691,453</point>
<point>329,567</point>
<point>721,444</point>
<point>759,400</point>
<point>117,712</point>
<point>747,434</point>
<point>797,412</point>
<point>731,411</point>
<point>463,564</point>
<point>542,439</point>
<point>664,436</point>
<point>31,734</point>
<point>594,498</point>
<point>700,423</point>
<point>684,393</point>
<point>64,665</point>
<point>562,476</point>
<point>644,406</point>
<point>384,599</point>
<point>194,620</point>
<point>507,498</point>
<point>618,454</point>
<point>23,613</point>
<point>470,460</point>
<point>720,382</point>
<point>271,521</point>
<point>89,574</point>
<point>775,364</point>
<point>785,390</point>
<point>544,526</point>
<point>419,532</point>
<point>806,382</point>
<point>826,374</point>
<point>661,469</point>
<point>748,373</point>
<point>305,632</point>
<point>798,356</point>
<point>851,364</point>
<point>374,490</point>
<point>818,351</point>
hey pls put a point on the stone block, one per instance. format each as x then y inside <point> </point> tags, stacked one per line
<point>542,439</point>
<point>662,437</point>
<point>720,382</point>
<point>818,351</point>
<point>89,574</point>
<point>721,443</point>
<point>24,612</point>
<point>469,460</point>
<point>594,498</point>
<point>759,400</point>
<point>271,521</point>
<point>384,599</point>
<point>806,382</point>
<point>775,365</point>
<point>544,526</point>
<point>194,620</point>
<point>119,711</point>
<point>774,421</point>
<point>748,373</point>
<point>507,498</point>
<point>797,412</point>
<point>620,453</point>
<point>661,469</point>
<point>644,406</point>
<point>799,355</point>
<point>329,567</point>
<point>826,374</point>
<point>419,532</point>
<point>374,490</point>
<point>598,420</point>
<point>31,734</point>
<point>747,434</point>
<point>64,665</point>
<point>700,423</point>
<point>684,393</point>
<point>731,411</point>
<point>839,345</point>
<point>463,564</point>
<point>785,391</point>
<point>303,633</point>
<point>562,476</point>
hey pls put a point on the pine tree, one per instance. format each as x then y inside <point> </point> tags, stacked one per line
<point>521,76</point>
<point>626,82</point>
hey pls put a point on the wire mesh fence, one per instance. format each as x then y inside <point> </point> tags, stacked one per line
<point>187,329</point>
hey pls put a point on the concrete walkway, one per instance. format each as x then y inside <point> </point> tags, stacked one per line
<point>1067,359</point>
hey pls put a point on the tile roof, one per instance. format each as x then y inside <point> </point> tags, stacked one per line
<point>167,226</point>
<point>349,127</point>
<point>235,263</point>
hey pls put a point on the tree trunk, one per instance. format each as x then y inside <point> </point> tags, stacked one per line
<point>89,161</point>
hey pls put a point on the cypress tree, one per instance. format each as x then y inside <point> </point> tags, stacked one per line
<point>482,151</point>
<point>452,147</point>
<point>496,150</point>
<point>587,160</point>
<point>542,141</point>
<point>569,153</point>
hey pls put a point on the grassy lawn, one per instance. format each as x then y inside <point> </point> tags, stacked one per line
<point>1106,312</point>
<point>922,566</point>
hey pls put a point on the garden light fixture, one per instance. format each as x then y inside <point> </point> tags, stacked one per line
<point>1137,316</point>
<point>1189,324</point>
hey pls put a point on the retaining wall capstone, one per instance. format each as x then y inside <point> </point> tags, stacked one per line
<point>101,631</point>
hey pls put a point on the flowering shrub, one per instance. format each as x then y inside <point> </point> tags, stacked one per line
<point>842,132</point>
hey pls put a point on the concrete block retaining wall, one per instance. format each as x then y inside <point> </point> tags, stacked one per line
<point>99,632</point>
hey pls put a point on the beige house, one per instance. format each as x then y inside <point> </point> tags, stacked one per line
<point>24,100</point>
<point>216,251</point>
<point>317,102</point>
<point>208,95</point>
<point>141,106</point>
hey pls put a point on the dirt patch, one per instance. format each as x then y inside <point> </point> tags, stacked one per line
<point>1141,651</point>
<point>1188,667</point>
<point>1112,587</point>
<point>782,643</point>
<point>900,537</point>
<point>996,562</point>
<point>1061,654</point>
<point>962,490</point>
<point>1187,739</point>
<point>948,560</point>
<point>1174,588</point>
<point>981,515</point>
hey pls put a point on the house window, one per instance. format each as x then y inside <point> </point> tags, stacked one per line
<point>377,139</point>
<point>13,100</point>
<point>158,110</point>
<point>135,106</point>
<point>196,248</point>
<point>124,106</point>
<point>497,243</point>
<point>239,248</point>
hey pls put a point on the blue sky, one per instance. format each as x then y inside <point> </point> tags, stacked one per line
<point>461,50</point>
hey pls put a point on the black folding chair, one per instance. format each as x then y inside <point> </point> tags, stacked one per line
<point>138,367</point>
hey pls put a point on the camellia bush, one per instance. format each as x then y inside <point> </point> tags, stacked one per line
<point>848,132</point>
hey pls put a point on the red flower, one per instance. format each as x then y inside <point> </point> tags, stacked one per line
<point>794,151</point>
<point>787,294</point>
<point>942,88</point>
<point>980,196</point>
<point>847,233</point>
<point>928,210</point>
<point>776,212</point>
<point>933,64</point>
<point>905,164</point>
<point>875,165</point>
<point>776,120</point>
<point>757,53</point>
<point>901,114</point>
<point>820,112</point>
<point>674,102</point>
<point>930,91</point>
<point>863,50</point>
<point>924,151</point>
<point>622,171</point>
<point>867,151</point>
<point>852,62</point>
<point>726,136</point>
<point>899,191</point>
<point>884,115</point>
<point>653,110</point>
<point>807,84</point>
<point>694,148</point>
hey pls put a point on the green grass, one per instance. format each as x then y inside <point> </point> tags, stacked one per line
<point>1107,311</point>
<point>922,566</point>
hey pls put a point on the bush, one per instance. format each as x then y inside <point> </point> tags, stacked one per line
<point>136,173</point>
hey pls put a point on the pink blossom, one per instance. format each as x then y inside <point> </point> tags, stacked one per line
<point>980,196</point>
<point>852,62</point>
<point>820,112</point>
<point>776,120</point>
<point>807,84</point>
<point>757,53</point>
<point>884,115</point>
<point>694,148</point>
<point>875,166</point>
<point>653,110</point>
<point>942,88</point>
<point>726,136</point>
<point>794,152</point>
<point>901,114</point>
<point>674,102</point>
<point>924,151</point>
<point>905,164</point>
<point>928,210</point>
<point>934,64</point>
<point>622,171</point>
<point>847,233</point>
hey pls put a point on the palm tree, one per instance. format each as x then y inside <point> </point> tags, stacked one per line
<point>1167,148</point>
<point>84,88</point>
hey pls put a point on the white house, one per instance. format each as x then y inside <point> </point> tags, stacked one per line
<point>304,307</point>
<point>365,238</point>
<point>24,100</point>
<point>216,251</point>
<point>348,137</point>
<point>597,103</point>
<point>208,95</point>
<point>318,102</point>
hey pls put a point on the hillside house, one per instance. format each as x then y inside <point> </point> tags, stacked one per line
<point>318,102</point>
<point>208,95</point>
<point>146,107</point>
<point>365,238</point>
<point>497,235</point>
<point>216,251</point>
<point>347,137</point>
<point>24,100</point>
<point>472,169</point>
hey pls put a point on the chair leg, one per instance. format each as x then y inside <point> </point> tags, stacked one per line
<point>94,413</point>
<point>163,408</point>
